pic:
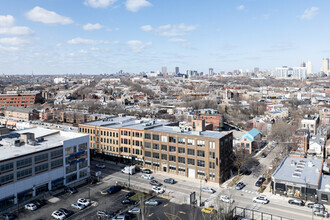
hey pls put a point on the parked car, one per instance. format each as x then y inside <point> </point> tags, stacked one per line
<point>155,183</point>
<point>129,202</point>
<point>239,186</point>
<point>8,216</point>
<point>208,190</point>
<point>246,172</point>
<point>322,213</point>
<point>100,165</point>
<point>129,194</point>
<point>226,199</point>
<point>147,171</point>
<point>157,189</point>
<point>84,202</point>
<point>261,199</point>
<point>208,210</point>
<point>151,202</point>
<point>135,210</point>
<point>263,155</point>
<point>169,180</point>
<point>77,205</point>
<point>104,214</point>
<point>260,181</point>
<point>66,212</point>
<point>147,176</point>
<point>71,190</point>
<point>58,215</point>
<point>30,206</point>
<point>114,189</point>
<point>296,202</point>
<point>315,206</point>
<point>119,217</point>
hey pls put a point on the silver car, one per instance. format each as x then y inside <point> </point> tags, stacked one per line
<point>151,202</point>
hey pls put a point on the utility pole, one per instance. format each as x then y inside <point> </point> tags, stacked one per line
<point>200,193</point>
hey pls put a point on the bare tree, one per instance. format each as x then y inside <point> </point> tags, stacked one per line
<point>242,159</point>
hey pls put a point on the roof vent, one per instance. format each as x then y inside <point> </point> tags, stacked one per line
<point>310,164</point>
<point>293,163</point>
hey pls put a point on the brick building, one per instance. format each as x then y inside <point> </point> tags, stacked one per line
<point>19,100</point>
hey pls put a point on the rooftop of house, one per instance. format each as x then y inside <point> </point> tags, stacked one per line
<point>11,146</point>
<point>299,170</point>
<point>250,135</point>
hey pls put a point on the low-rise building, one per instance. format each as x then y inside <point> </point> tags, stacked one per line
<point>251,140</point>
<point>19,99</point>
<point>20,113</point>
<point>311,123</point>
<point>38,160</point>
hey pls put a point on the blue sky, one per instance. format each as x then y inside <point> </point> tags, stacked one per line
<point>104,36</point>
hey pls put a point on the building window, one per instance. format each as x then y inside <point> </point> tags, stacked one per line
<point>181,140</point>
<point>70,150</point>
<point>41,157</point>
<point>82,147</point>
<point>155,146</point>
<point>181,170</point>
<point>82,173</point>
<point>200,153</point>
<point>164,138</point>
<point>191,152</point>
<point>212,145</point>
<point>191,142</point>
<point>172,168</point>
<point>164,156</point>
<point>164,147</point>
<point>172,158</point>
<point>181,160</point>
<point>83,164</point>
<point>172,139</point>
<point>155,137</point>
<point>212,165</point>
<point>41,168</point>
<point>212,176</point>
<point>181,150</point>
<point>200,143</point>
<point>56,163</point>
<point>147,136</point>
<point>155,155</point>
<point>212,155</point>
<point>24,173</point>
<point>200,173</point>
<point>6,167</point>
<point>24,162</point>
<point>71,178</point>
<point>147,145</point>
<point>6,178</point>
<point>147,153</point>
<point>70,168</point>
<point>172,149</point>
<point>201,163</point>
<point>191,161</point>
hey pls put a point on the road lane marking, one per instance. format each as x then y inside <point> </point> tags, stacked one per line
<point>166,205</point>
<point>182,212</point>
<point>150,214</point>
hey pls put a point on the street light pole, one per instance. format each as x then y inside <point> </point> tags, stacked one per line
<point>200,193</point>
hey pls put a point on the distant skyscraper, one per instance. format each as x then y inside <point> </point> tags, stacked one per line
<point>282,72</point>
<point>299,73</point>
<point>177,70</point>
<point>309,67</point>
<point>303,64</point>
<point>256,70</point>
<point>325,65</point>
<point>211,73</point>
<point>164,70</point>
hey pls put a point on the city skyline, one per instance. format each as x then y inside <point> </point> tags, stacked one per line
<point>105,36</point>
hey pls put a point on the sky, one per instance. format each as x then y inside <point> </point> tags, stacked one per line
<point>105,36</point>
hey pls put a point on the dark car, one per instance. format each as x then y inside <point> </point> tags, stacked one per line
<point>170,180</point>
<point>155,183</point>
<point>39,202</point>
<point>260,181</point>
<point>263,155</point>
<point>129,194</point>
<point>129,202</point>
<point>296,202</point>
<point>239,186</point>
<point>147,171</point>
<point>71,190</point>
<point>66,212</point>
<point>8,216</point>
<point>128,215</point>
<point>246,172</point>
<point>114,189</point>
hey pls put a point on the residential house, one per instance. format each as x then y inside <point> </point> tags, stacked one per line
<point>251,140</point>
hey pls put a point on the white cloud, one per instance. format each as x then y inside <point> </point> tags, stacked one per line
<point>79,40</point>
<point>99,3</point>
<point>7,20</point>
<point>146,28</point>
<point>138,46</point>
<point>240,7</point>
<point>13,41</point>
<point>47,17</point>
<point>90,27</point>
<point>177,40</point>
<point>8,48</point>
<point>136,5</point>
<point>309,13</point>
<point>16,30</point>
<point>83,51</point>
<point>94,49</point>
<point>175,30</point>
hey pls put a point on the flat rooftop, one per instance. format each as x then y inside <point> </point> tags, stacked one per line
<point>299,170</point>
<point>52,138</point>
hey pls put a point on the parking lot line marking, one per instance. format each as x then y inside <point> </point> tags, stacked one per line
<point>150,214</point>
<point>182,212</point>
<point>166,205</point>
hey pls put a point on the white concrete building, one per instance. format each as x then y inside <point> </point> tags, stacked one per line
<point>37,160</point>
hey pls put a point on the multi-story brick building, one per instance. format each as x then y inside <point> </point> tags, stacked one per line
<point>19,100</point>
<point>21,113</point>
<point>325,116</point>
<point>162,147</point>
<point>301,140</point>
